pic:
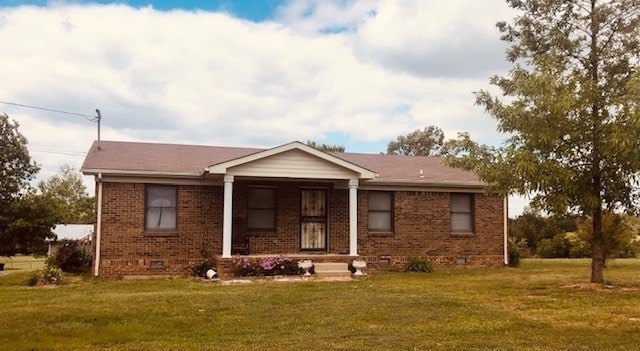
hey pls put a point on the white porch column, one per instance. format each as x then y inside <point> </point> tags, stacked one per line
<point>353,217</point>
<point>228,216</point>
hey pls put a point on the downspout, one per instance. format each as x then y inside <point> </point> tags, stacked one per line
<point>98,225</point>
<point>505,211</point>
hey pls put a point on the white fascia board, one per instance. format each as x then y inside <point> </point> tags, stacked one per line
<point>221,168</point>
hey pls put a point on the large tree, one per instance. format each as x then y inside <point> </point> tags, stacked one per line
<point>26,226</point>
<point>426,142</point>
<point>571,109</point>
<point>25,218</point>
<point>16,168</point>
<point>69,196</point>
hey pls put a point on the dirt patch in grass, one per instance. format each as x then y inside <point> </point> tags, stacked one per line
<point>599,287</point>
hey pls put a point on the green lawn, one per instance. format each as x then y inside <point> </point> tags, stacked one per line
<point>21,262</point>
<point>544,305</point>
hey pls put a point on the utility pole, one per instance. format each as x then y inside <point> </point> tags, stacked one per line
<point>98,119</point>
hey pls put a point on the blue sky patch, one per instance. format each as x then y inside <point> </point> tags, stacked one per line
<point>253,10</point>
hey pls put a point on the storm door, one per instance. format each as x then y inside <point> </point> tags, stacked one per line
<point>313,220</point>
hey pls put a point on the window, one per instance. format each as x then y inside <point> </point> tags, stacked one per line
<point>461,213</point>
<point>380,211</point>
<point>161,208</point>
<point>262,208</point>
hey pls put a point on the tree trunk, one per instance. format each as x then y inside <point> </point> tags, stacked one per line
<point>597,259</point>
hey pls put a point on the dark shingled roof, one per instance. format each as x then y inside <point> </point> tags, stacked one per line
<point>191,160</point>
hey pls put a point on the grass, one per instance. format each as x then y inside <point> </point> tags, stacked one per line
<point>20,262</point>
<point>543,305</point>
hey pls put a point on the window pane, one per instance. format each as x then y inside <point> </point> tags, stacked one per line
<point>261,198</point>
<point>380,221</point>
<point>379,201</point>
<point>460,203</point>
<point>164,196</point>
<point>461,222</point>
<point>261,211</point>
<point>161,207</point>
<point>261,219</point>
<point>161,218</point>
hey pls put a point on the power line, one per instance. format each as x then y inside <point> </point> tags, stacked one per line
<point>59,152</point>
<point>88,118</point>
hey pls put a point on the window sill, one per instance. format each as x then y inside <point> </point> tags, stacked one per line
<point>381,234</point>
<point>160,234</point>
<point>463,235</point>
<point>261,232</point>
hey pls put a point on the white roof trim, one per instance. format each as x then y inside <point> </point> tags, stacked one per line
<point>221,168</point>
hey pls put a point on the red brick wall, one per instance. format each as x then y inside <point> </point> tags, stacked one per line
<point>421,229</point>
<point>126,249</point>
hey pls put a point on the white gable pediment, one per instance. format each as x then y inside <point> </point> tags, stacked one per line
<point>292,164</point>
<point>294,160</point>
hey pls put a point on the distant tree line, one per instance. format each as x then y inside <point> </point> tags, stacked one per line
<point>571,236</point>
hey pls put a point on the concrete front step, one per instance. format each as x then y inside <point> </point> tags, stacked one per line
<point>331,269</point>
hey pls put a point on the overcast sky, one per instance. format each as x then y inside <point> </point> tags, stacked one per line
<point>247,73</point>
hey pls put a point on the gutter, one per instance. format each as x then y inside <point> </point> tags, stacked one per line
<point>423,183</point>
<point>98,225</point>
<point>506,230</point>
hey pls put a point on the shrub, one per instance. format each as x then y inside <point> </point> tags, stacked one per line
<point>71,257</point>
<point>513,252</point>
<point>420,265</point>
<point>243,268</point>
<point>557,247</point>
<point>200,268</point>
<point>49,275</point>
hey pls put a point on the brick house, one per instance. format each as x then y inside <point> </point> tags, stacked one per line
<point>162,207</point>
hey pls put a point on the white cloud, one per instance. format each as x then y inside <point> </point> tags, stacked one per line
<point>435,38</point>
<point>368,70</point>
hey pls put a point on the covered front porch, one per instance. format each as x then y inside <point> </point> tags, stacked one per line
<point>290,199</point>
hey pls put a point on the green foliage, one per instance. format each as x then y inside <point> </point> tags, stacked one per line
<point>426,142</point>
<point>26,225</point>
<point>419,265</point>
<point>268,266</point>
<point>571,110</point>
<point>326,147</point>
<point>49,275</point>
<point>555,247</point>
<point>514,252</point>
<point>618,235</point>
<point>200,268</point>
<point>24,221</point>
<point>578,247</point>
<point>15,163</point>
<point>72,257</point>
<point>530,228</point>
<point>69,196</point>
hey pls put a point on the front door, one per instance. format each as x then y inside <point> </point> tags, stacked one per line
<point>313,220</point>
